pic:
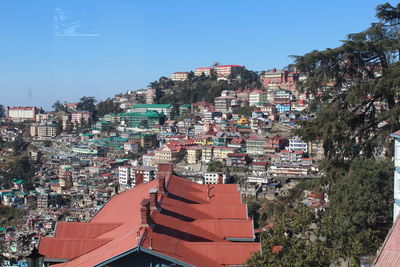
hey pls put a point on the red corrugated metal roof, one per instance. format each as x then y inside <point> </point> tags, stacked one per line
<point>190,213</point>
<point>223,66</point>
<point>224,253</point>
<point>80,230</point>
<point>68,248</point>
<point>389,255</point>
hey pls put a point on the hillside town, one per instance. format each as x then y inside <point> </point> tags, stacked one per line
<point>79,161</point>
<point>213,166</point>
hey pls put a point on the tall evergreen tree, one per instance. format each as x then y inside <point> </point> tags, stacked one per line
<point>356,88</point>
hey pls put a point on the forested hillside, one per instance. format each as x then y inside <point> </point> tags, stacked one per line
<point>357,88</point>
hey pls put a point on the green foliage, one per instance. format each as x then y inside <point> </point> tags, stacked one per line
<point>352,82</point>
<point>59,126</point>
<point>22,169</point>
<point>107,106</point>
<point>47,143</point>
<point>87,103</point>
<point>295,240</point>
<point>361,207</point>
<point>2,111</point>
<point>200,88</point>
<point>9,216</point>
<point>69,127</point>
<point>175,111</point>
<point>357,90</point>
<point>245,111</point>
<point>17,146</point>
<point>215,166</point>
<point>59,107</point>
<point>253,211</point>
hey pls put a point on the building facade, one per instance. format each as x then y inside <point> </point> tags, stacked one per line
<point>160,108</point>
<point>255,145</point>
<point>20,114</point>
<point>258,98</point>
<point>81,116</point>
<point>179,76</point>
<point>202,70</point>
<point>224,71</point>
<point>296,144</point>
<point>396,189</point>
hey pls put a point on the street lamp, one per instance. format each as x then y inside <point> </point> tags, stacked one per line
<point>35,259</point>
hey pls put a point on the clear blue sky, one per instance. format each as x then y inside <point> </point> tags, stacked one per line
<point>65,49</point>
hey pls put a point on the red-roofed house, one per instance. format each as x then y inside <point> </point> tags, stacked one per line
<point>170,221</point>
<point>169,153</point>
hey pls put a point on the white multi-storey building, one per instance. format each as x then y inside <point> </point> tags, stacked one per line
<point>258,98</point>
<point>179,76</point>
<point>297,145</point>
<point>19,114</point>
<point>124,175</point>
<point>214,178</point>
<point>396,189</point>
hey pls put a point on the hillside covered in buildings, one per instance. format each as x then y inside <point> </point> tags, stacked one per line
<point>216,166</point>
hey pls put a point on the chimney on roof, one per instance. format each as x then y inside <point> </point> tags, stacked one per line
<point>164,169</point>
<point>139,177</point>
<point>145,213</point>
<point>161,185</point>
<point>153,199</point>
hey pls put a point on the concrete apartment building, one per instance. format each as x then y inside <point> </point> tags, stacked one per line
<point>20,114</point>
<point>179,76</point>
<point>255,145</point>
<point>223,103</point>
<point>199,71</point>
<point>193,154</point>
<point>81,116</point>
<point>42,132</point>
<point>125,175</point>
<point>296,144</point>
<point>168,154</point>
<point>214,178</point>
<point>224,71</point>
<point>144,174</point>
<point>258,98</point>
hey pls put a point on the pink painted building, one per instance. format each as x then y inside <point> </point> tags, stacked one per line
<point>201,70</point>
<point>284,79</point>
<point>224,71</point>
<point>78,117</point>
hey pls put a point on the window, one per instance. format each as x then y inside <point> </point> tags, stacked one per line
<point>397,150</point>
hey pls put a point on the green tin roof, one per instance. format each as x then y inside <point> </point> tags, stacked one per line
<point>149,113</point>
<point>152,106</point>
